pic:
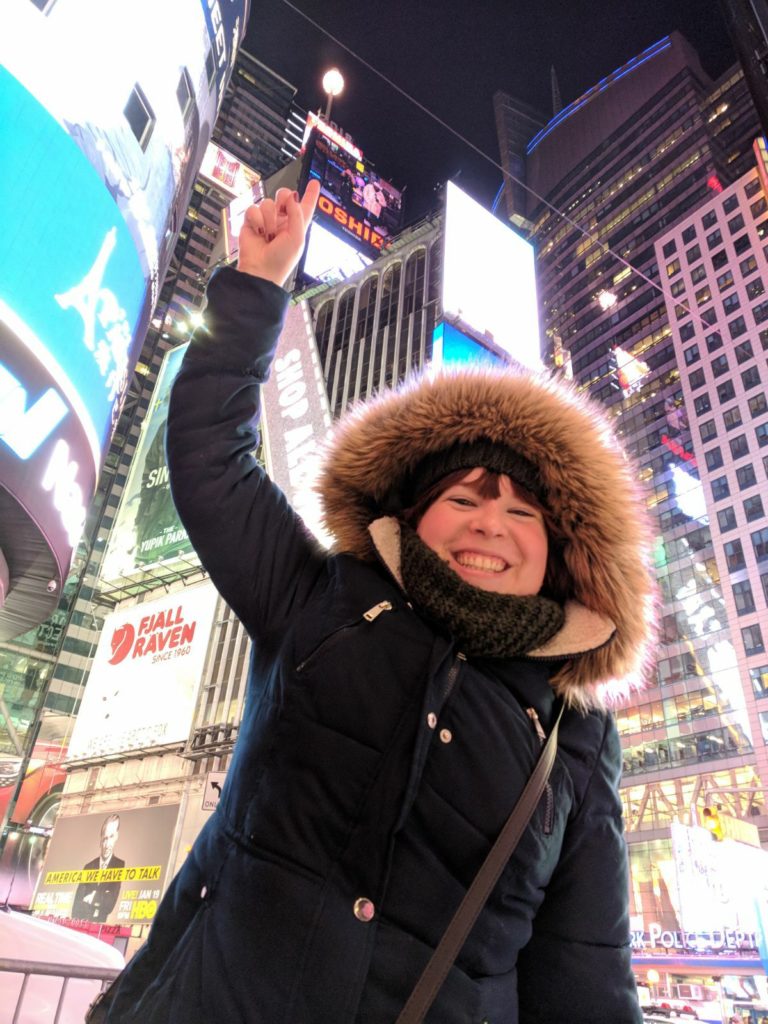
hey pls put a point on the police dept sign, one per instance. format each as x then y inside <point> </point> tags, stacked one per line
<point>142,688</point>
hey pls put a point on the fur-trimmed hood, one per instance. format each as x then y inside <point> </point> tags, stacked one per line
<point>591,492</point>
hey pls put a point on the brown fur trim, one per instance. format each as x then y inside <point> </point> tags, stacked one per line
<point>591,492</point>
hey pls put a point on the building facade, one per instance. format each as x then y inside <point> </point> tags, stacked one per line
<point>516,125</point>
<point>747,22</point>
<point>259,122</point>
<point>376,327</point>
<point>624,163</point>
<point>716,270</point>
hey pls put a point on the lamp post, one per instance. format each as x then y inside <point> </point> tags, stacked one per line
<point>333,83</point>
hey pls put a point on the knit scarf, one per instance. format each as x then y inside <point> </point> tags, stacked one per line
<point>484,623</point>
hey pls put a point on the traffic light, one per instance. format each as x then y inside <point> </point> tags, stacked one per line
<point>711,820</point>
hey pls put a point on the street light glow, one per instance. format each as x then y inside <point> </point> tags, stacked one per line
<point>333,82</point>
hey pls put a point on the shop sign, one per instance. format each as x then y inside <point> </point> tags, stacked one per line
<point>713,940</point>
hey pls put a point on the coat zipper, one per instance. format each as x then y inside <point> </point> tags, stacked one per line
<point>375,612</point>
<point>549,806</point>
<point>452,676</point>
<point>370,616</point>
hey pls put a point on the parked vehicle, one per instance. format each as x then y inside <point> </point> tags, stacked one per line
<point>670,1010</point>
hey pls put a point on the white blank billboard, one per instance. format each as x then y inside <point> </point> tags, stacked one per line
<point>489,284</point>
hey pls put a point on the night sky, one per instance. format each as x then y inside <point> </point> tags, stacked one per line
<point>452,55</point>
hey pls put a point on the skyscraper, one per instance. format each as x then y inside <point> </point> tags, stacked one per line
<point>715,264</point>
<point>747,22</point>
<point>259,121</point>
<point>516,125</point>
<point>625,162</point>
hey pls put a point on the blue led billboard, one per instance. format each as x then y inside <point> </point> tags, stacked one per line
<point>101,145</point>
<point>451,347</point>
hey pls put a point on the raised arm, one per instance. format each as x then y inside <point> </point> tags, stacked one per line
<point>247,536</point>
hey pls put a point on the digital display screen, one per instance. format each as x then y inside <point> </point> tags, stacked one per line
<point>354,201</point>
<point>230,174</point>
<point>104,869</point>
<point>489,284</point>
<point>104,127</point>
<point>451,347</point>
<point>329,258</point>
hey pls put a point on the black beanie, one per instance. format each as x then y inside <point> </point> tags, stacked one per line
<point>497,458</point>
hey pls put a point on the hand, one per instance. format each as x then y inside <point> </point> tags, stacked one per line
<point>273,233</point>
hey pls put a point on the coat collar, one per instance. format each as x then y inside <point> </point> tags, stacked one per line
<point>583,630</point>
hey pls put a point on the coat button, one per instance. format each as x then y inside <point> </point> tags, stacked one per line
<point>446,735</point>
<point>203,892</point>
<point>364,910</point>
<point>431,719</point>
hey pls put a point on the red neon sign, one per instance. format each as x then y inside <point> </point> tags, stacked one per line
<point>677,448</point>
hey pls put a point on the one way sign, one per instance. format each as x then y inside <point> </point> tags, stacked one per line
<point>214,782</point>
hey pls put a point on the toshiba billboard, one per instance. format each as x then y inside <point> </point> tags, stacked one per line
<point>142,687</point>
<point>355,203</point>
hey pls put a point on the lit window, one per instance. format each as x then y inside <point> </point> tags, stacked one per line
<point>753,508</point>
<point>760,544</point>
<point>739,446</point>
<point>743,598</point>
<point>752,638</point>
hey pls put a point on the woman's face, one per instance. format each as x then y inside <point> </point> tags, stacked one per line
<point>497,544</point>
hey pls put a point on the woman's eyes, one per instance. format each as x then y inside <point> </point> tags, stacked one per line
<point>460,500</point>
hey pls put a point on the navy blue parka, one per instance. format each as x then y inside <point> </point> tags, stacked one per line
<point>374,767</point>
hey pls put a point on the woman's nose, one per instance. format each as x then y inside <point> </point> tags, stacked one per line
<point>487,518</point>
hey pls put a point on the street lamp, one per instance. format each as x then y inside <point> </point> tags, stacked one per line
<point>333,83</point>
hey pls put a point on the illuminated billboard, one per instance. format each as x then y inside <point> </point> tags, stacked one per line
<point>489,285</point>
<point>143,683</point>
<point>719,884</point>
<point>104,127</point>
<point>451,347</point>
<point>147,529</point>
<point>296,416</point>
<point>107,869</point>
<point>329,258</point>
<point>229,174</point>
<point>34,807</point>
<point>354,201</point>
<point>630,371</point>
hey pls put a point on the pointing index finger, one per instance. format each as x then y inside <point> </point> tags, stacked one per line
<point>309,199</point>
<point>300,213</point>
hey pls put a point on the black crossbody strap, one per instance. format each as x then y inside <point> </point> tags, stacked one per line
<point>455,935</point>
